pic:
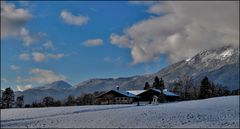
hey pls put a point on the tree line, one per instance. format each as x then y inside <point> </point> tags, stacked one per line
<point>84,99</point>
<point>187,90</point>
<point>7,100</point>
<point>183,87</point>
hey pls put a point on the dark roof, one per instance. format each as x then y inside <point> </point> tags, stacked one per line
<point>128,94</point>
<point>120,92</point>
<point>165,92</point>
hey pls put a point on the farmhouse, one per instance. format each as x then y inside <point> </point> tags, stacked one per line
<point>130,96</point>
<point>117,97</point>
<point>147,95</point>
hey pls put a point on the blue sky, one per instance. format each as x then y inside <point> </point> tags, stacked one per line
<point>46,41</point>
<point>79,62</point>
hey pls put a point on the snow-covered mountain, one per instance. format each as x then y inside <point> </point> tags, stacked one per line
<point>59,90</point>
<point>58,85</point>
<point>221,65</point>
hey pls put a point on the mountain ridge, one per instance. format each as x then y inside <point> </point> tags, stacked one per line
<point>220,64</point>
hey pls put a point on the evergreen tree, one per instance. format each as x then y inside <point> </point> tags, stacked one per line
<point>70,101</point>
<point>156,83</point>
<point>187,83</point>
<point>88,99</point>
<point>1,102</point>
<point>161,84</point>
<point>20,101</point>
<point>147,86</point>
<point>162,97</point>
<point>37,104</point>
<point>57,103</point>
<point>8,98</point>
<point>27,106</point>
<point>48,101</point>
<point>177,87</point>
<point>204,88</point>
<point>79,100</point>
<point>236,92</point>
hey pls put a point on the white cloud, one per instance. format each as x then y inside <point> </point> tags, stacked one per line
<point>23,88</point>
<point>93,42</point>
<point>48,45</point>
<point>12,19</point>
<point>181,29</point>
<point>13,24</point>
<point>55,56</point>
<point>28,40</point>
<point>14,67</point>
<point>107,59</point>
<point>117,60</point>
<point>121,41</point>
<point>4,80</point>
<point>41,76</point>
<point>69,18</point>
<point>24,56</point>
<point>38,57</point>
<point>19,79</point>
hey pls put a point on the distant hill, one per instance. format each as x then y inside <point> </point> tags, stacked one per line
<point>58,90</point>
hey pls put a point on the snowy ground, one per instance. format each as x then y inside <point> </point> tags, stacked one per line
<point>214,113</point>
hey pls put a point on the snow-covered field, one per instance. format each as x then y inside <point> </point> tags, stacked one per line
<point>213,112</point>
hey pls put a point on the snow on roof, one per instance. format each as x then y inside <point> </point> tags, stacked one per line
<point>136,92</point>
<point>125,93</point>
<point>166,92</point>
<point>188,59</point>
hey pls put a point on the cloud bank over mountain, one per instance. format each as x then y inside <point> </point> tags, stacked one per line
<point>180,29</point>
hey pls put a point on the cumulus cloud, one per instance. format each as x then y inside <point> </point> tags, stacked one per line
<point>107,59</point>
<point>12,19</point>
<point>121,41</point>
<point>38,57</point>
<point>93,42</point>
<point>55,56</point>
<point>41,76</point>
<point>117,60</point>
<point>13,24</point>
<point>24,56</point>
<point>23,88</point>
<point>28,40</point>
<point>19,79</point>
<point>4,80</point>
<point>48,45</point>
<point>180,29</point>
<point>14,67</point>
<point>77,20</point>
